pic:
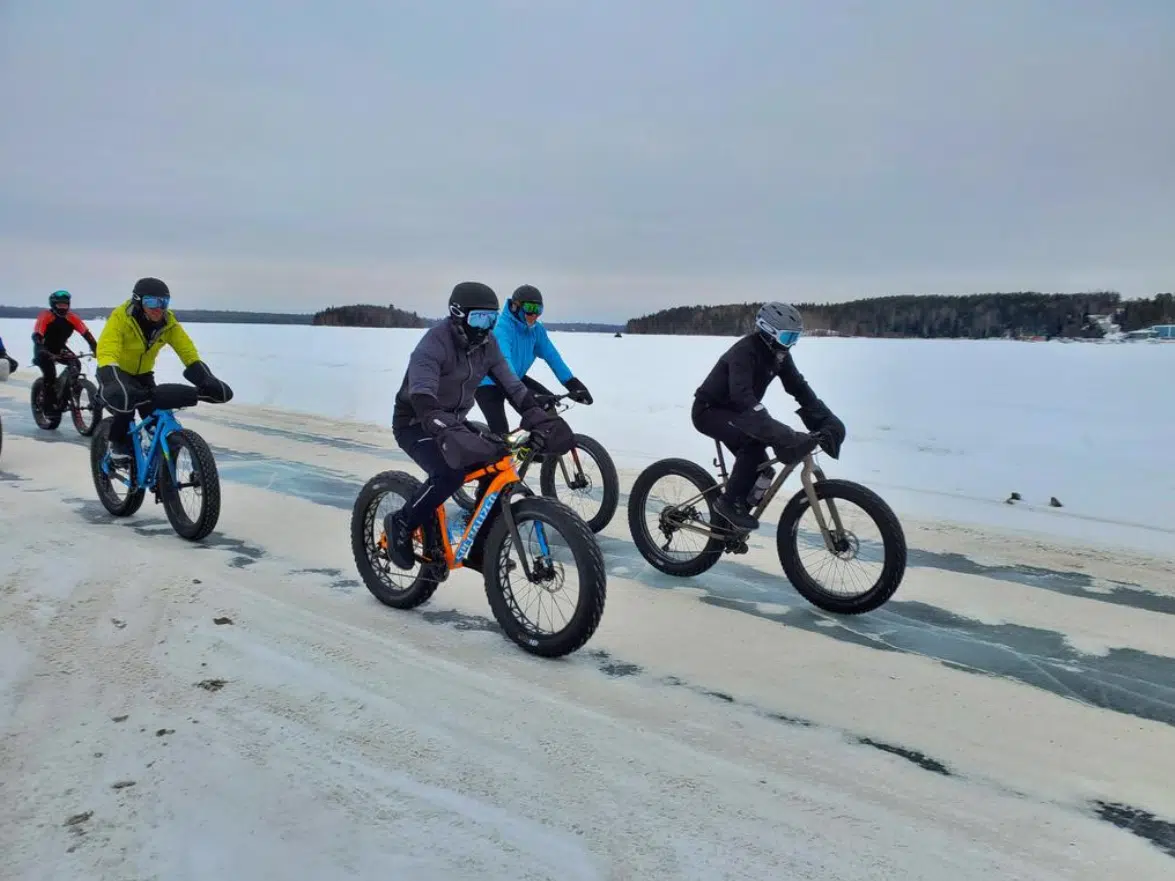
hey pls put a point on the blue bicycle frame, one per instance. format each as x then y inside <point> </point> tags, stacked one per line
<point>146,474</point>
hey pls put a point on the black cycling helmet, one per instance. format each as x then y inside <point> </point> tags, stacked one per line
<point>526,300</point>
<point>58,299</point>
<point>473,309</point>
<point>150,293</point>
<point>780,325</point>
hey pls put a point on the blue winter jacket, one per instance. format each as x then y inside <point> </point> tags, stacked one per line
<point>521,345</point>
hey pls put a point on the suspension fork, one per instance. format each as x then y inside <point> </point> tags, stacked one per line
<point>810,491</point>
<point>515,537</point>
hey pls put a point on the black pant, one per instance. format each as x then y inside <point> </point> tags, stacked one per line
<point>48,370</point>
<point>441,482</point>
<point>491,400</point>
<point>749,452</point>
<point>125,395</point>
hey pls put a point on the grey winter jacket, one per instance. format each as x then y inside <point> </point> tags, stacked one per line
<point>441,368</point>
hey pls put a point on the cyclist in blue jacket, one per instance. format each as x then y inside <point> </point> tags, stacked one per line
<point>522,339</point>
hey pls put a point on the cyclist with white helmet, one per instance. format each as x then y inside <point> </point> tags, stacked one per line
<point>728,407</point>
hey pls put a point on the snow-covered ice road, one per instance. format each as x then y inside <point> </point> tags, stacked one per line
<point>245,709</point>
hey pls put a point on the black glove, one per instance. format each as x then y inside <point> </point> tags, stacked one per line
<point>818,418</point>
<point>535,417</point>
<point>198,374</point>
<point>577,391</point>
<point>12,363</point>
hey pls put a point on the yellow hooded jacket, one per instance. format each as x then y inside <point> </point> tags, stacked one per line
<point>123,344</point>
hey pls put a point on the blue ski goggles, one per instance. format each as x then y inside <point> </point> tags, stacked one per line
<point>783,338</point>
<point>481,319</point>
<point>156,302</point>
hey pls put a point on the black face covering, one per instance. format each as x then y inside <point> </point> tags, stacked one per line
<point>472,337</point>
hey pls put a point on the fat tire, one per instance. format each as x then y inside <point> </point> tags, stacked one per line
<point>638,498</point>
<point>549,470</point>
<point>362,516</point>
<point>44,422</point>
<point>893,539</point>
<point>206,520</point>
<point>134,498</point>
<point>92,390</point>
<point>589,564</point>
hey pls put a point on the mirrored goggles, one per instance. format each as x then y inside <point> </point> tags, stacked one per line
<point>783,338</point>
<point>482,319</point>
<point>531,308</point>
<point>156,302</point>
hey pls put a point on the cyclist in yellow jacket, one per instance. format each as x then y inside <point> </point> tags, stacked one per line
<point>133,336</point>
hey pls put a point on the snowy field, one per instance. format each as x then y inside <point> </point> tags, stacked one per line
<point>1008,714</point>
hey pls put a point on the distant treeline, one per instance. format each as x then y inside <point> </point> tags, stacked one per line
<point>363,315</point>
<point>974,316</point>
<point>191,316</point>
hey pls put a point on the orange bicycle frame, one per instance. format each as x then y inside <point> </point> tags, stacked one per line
<point>504,475</point>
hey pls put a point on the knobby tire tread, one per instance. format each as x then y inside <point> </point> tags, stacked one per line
<point>366,505</point>
<point>210,484</point>
<point>589,562</point>
<point>550,470</point>
<point>893,540</point>
<point>638,498</point>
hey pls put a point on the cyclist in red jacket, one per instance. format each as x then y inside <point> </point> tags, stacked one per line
<point>52,331</point>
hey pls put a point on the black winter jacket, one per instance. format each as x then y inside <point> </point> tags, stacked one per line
<point>443,375</point>
<point>740,379</point>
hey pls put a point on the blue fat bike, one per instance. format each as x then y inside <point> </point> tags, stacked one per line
<point>168,460</point>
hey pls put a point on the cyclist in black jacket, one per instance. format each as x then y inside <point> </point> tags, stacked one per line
<point>435,397</point>
<point>728,407</point>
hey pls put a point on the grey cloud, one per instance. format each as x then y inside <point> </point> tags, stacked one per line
<point>639,154</point>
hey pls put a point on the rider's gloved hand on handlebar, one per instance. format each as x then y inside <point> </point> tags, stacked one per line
<point>818,418</point>
<point>577,391</point>
<point>217,390</point>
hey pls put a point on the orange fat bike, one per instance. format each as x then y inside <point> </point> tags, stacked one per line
<point>510,531</point>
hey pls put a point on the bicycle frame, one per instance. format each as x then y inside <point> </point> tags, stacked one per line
<point>505,475</point>
<point>146,477</point>
<point>810,474</point>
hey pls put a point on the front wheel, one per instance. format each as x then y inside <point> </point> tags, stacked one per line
<point>195,469</point>
<point>389,491</point>
<point>592,492</point>
<point>684,510</point>
<point>881,579</point>
<point>556,544</point>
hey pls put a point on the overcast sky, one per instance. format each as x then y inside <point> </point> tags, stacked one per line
<point>622,156</point>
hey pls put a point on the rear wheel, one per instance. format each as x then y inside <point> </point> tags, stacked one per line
<point>655,519</point>
<point>116,487</point>
<point>557,545</point>
<point>588,484</point>
<point>399,588</point>
<point>44,420</point>
<point>85,407</point>
<point>195,471</point>
<point>799,548</point>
